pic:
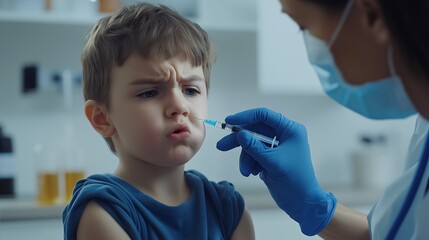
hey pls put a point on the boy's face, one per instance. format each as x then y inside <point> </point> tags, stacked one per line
<point>151,107</point>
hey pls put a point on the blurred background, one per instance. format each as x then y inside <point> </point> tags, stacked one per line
<point>46,143</point>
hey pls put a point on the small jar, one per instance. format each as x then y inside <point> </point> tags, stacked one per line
<point>48,177</point>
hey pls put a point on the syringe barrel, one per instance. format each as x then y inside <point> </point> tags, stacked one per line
<point>229,127</point>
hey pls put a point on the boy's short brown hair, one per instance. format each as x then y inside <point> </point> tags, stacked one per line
<point>154,32</point>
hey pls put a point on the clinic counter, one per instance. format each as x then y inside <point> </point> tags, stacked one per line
<point>12,209</point>
<point>354,198</point>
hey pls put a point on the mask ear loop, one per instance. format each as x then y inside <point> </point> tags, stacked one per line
<point>340,25</point>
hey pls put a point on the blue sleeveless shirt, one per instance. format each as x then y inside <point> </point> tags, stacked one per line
<point>212,212</point>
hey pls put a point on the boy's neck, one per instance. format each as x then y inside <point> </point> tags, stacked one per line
<point>166,185</point>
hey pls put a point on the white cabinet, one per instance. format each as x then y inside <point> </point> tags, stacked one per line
<point>228,15</point>
<point>223,15</point>
<point>282,65</point>
<point>282,59</point>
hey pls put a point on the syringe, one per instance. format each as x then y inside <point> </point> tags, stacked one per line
<point>232,128</point>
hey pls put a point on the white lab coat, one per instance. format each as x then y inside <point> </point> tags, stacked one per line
<point>383,214</point>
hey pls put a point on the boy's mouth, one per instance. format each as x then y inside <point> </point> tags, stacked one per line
<point>179,132</point>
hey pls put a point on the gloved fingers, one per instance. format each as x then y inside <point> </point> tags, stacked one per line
<point>248,165</point>
<point>261,129</point>
<point>257,151</point>
<point>227,143</point>
<point>257,169</point>
<point>257,115</point>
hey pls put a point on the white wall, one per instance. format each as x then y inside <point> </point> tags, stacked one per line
<point>31,119</point>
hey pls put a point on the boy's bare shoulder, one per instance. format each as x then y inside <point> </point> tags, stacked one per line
<point>96,223</point>
<point>245,229</point>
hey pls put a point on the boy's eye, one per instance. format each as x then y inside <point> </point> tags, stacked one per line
<point>190,91</point>
<point>148,94</point>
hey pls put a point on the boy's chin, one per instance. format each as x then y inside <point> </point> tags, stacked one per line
<point>182,158</point>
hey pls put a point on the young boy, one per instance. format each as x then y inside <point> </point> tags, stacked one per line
<point>146,74</point>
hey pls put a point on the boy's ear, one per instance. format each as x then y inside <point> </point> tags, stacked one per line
<point>97,116</point>
<point>373,20</point>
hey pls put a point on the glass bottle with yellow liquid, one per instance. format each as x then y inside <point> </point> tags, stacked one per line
<point>48,188</point>
<point>71,178</point>
<point>73,172</point>
<point>48,177</point>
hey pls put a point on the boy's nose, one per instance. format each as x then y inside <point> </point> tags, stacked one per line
<point>177,105</point>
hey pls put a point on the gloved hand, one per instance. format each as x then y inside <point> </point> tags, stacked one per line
<point>286,169</point>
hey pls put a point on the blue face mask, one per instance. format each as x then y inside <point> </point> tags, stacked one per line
<point>382,99</point>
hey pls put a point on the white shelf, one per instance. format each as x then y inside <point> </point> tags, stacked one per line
<point>49,17</point>
<point>27,208</point>
<point>39,17</point>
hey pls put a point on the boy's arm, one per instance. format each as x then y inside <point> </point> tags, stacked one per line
<point>244,228</point>
<point>95,223</point>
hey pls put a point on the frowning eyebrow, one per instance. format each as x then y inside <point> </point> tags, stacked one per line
<point>193,78</point>
<point>141,81</point>
<point>146,81</point>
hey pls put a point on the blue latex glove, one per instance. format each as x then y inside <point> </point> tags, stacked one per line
<point>286,169</point>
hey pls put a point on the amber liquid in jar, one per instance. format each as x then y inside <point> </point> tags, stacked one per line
<point>48,188</point>
<point>71,179</point>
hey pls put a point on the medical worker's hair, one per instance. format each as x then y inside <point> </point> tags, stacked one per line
<point>153,32</point>
<point>408,23</point>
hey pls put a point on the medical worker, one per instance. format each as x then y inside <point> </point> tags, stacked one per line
<point>371,56</point>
